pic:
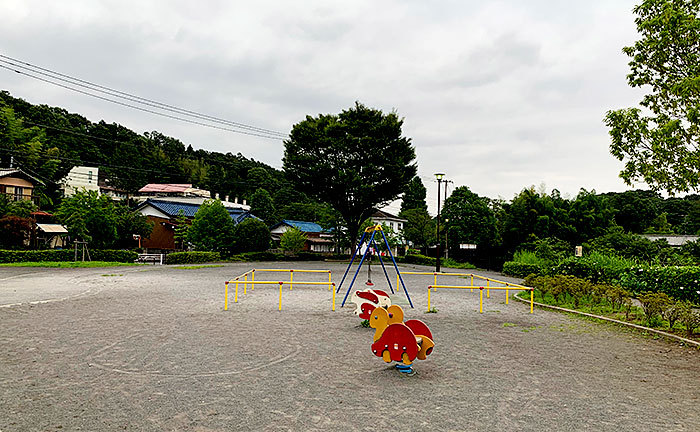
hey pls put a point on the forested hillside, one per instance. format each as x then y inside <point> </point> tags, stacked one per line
<point>47,141</point>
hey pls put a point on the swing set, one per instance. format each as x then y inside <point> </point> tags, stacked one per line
<point>370,246</point>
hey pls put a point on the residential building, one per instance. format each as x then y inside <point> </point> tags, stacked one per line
<point>183,193</point>
<point>164,212</point>
<point>18,185</point>
<point>396,224</point>
<point>80,178</point>
<point>317,239</point>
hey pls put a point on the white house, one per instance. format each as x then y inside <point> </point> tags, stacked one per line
<point>78,178</point>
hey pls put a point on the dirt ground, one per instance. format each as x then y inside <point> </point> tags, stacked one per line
<point>151,349</point>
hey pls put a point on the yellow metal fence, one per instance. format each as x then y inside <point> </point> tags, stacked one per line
<point>243,279</point>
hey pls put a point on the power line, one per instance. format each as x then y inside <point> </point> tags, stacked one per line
<point>63,83</point>
<point>133,98</point>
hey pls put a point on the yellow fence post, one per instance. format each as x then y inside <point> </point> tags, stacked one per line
<point>252,284</point>
<point>329,284</point>
<point>481,299</point>
<point>429,299</point>
<point>506,293</point>
<point>532,300</point>
<point>226,297</point>
<point>472,284</point>
<point>245,285</point>
<point>397,282</point>
<point>435,281</point>
<point>280,307</point>
<point>235,297</point>
<point>291,279</point>
<point>333,289</point>
<point>488,293</point>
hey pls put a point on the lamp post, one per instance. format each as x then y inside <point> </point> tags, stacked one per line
<point>439,177</point>
<point>447,244</point>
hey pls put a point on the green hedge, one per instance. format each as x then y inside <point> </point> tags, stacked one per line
<point>192,257</point>
<point>520,269</point>
<point>416,259</point>
<point>54,255</point>
<point>680,283</point>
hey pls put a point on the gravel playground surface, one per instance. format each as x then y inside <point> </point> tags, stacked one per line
<point>151,349</point>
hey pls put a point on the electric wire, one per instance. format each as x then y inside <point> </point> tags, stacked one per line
<point>174,117</point>
<point>131,97</point>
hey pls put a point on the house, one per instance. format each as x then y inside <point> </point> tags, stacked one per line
<point>317,239</point>
<point>183,192</point>
<point>80,178</point>
<point>164,212</point>
<point>395,223</point>
<point>18,185</point>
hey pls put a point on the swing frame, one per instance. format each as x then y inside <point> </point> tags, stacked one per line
<point>371,242</point>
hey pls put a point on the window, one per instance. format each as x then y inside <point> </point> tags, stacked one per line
<point>19,193</point>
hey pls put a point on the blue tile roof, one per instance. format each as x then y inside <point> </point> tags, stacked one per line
<point>309,227</point>
<point>172,209</point>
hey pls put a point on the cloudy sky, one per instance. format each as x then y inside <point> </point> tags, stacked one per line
<point>499,95</point>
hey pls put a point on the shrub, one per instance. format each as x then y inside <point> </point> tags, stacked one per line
<point>680,283</point>
<point>689,317</point>
<point>653,305</point>
<point>293,240</point>
<point>54,255</point>
<point>417,259</point>
<point>252,235</point>
<point>519,269</point>
<point>192,257</point>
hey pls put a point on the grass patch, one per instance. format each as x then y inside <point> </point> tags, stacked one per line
<point>112,274</point>
<point>69,264</point>
<point>193,267</point>
<point>432,310</point>
<point>507,324</point>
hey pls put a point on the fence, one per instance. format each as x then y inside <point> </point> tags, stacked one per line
<point>243,279</point>
<point>506,286</point>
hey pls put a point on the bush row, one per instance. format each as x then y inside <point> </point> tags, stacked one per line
<point>192,257</point>
<point>53,255</point>
<point>521,270</point>
<point>681,283</point>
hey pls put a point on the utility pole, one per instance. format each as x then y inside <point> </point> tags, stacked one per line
<point>446,220</point>
<point>439,177</point>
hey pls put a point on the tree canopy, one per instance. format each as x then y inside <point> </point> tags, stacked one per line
<point>355,161</point>
<point>661,144</point>
<point>212,228</point>
<point>414,197</point>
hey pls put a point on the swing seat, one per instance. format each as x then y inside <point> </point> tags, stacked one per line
<point>369,283</point>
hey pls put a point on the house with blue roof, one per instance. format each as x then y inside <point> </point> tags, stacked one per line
<point>317,238</point>
<point>164,212</point>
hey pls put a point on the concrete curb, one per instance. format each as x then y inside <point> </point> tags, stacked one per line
<point>659,332</point>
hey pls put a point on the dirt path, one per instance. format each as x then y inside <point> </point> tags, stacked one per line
<point>151,349</point>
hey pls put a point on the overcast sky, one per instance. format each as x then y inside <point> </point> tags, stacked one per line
<point>498,95</point>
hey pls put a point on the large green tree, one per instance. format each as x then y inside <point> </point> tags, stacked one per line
<point>469,219</point>
<point>419,228</point>
<point>355,161</point>
<point>262,206</point>
<point>661,143</point>
<point>89,217</point>
<point>212,228</point>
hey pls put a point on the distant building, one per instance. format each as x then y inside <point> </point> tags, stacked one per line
<point>396,224</point>
<point>317,239</point>
<point>672,239</point>
<point>18,185</point>
<point>184,193</point>
<point>163,214</point>
<point>80,178</point>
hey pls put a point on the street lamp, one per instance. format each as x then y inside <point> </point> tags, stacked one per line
<point>439,177</point>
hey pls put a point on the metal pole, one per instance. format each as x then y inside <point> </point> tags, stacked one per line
<point>437,261</point>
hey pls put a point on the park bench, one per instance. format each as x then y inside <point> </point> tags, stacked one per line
<point>146,258</point>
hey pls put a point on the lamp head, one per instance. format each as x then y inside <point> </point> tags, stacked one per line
<point>439,176</point>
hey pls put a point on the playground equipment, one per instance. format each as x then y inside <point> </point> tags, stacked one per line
<point>506,286</point>
<point>402,342</point>
<point>243,279</point>
<point>367,300</point>
<point>371,244</point>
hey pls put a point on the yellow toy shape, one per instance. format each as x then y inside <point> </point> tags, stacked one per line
<point>379,320</point>
<point>395,314</point>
